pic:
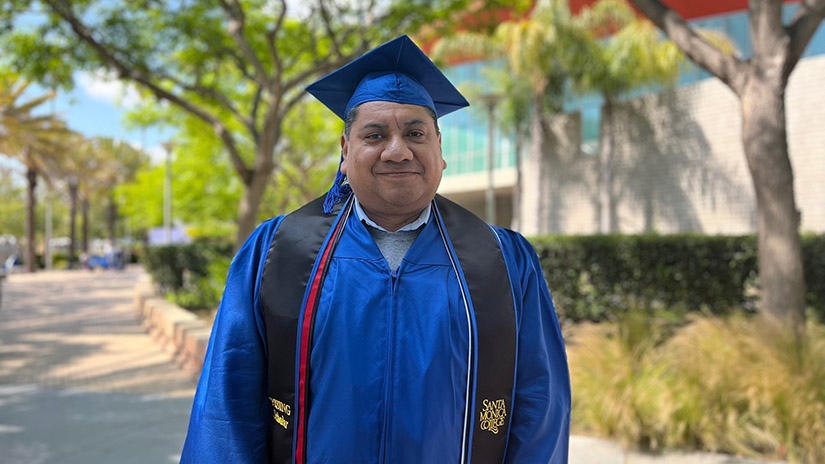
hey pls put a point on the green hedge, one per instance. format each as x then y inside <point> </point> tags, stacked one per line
<point>595,277</point>
<point>590,277</point>
<point>813,248</point>
<point>192,275</point>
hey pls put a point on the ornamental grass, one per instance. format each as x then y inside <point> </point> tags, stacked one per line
<point>726,385</point>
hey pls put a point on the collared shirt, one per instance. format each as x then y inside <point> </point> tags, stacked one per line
<point>422,219</point>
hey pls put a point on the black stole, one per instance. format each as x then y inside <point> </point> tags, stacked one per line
<point>291,283</point>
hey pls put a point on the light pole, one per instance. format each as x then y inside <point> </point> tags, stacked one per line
<point>167,195</point>
<point>48,253</point>
<point>490,100</point>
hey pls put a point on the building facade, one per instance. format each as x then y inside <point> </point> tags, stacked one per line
<point>679,161</point>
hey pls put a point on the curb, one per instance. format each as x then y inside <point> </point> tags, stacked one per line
<point>179,332</point>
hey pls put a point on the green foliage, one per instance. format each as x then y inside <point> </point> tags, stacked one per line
<point>309,161</point>
<point>726,385</point>
<point>204,292</point>
<point>619,389</point>
<point>633,55</point>
<point>205,190</point>
<point>597,277</point>
<point>142,199</point>
<point>31,139</point>
<point>594,277</point>
<point>13,206</point>
<point>813,253</point>
<point>239,68</point>
<point>535,51</point>
<point>193,275</point>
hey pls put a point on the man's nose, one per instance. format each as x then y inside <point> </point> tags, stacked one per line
<point>396,150</point>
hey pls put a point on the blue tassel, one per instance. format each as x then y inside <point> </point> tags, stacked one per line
<point>340,190</point>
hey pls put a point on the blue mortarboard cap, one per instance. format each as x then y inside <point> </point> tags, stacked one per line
<point>397,71</point>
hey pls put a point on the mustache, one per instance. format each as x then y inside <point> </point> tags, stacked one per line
<point>394,168</point>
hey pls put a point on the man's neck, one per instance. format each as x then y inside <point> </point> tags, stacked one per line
<point>392,223</point>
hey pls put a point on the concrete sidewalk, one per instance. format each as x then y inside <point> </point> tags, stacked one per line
<point>80,379</point>
<point>586,450</point>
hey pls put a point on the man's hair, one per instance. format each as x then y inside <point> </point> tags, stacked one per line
<point>353,115</point>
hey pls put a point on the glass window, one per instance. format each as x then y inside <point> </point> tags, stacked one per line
<point>591,115</point>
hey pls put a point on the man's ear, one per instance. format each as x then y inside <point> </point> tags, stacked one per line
<point>443,161</point>
<point>344,152</point>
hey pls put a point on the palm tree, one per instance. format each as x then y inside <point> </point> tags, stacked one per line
<point>76,168</point>
<point>535,51</point>
<point>31,140</point>
<point>634,56</point>
<point>115,163</point>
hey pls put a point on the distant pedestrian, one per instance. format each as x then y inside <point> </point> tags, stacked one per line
<point>8,265</point>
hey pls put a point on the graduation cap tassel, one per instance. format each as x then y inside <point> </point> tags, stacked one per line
<point>340,189</point>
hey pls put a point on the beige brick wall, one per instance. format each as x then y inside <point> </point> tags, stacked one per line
<point>680,164</point>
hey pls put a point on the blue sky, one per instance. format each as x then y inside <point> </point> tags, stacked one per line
<point>97,107</point>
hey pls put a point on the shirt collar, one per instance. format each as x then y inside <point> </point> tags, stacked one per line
<point>422,218</point>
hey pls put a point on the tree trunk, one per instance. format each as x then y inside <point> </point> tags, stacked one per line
<point>764,135</point>
<point>539,218</point>
<point>112,218</point>
<point>760,83</point>
<point>607,206</point>
<point>31,206</point>
<point>250,204</point>
<point>72,222</point>
<point>85,227</point>
<point>515,222</point>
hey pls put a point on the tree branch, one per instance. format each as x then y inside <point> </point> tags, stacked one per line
<point>765,20</point>
<point>291,102</point>
<point>300,184</point>
<point>270,40</point>
<point>256,103</point>
<point>727,68</point>
<point>328,27</point>
<point>322,66</point>
<point>125,71</point>
<point>237,21</point>
<point>802,27</point>
<point>211,92</point>
<point>241,65</point>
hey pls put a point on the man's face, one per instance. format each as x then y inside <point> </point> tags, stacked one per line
<point>392,158</point>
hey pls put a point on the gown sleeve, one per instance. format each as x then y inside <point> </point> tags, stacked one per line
<point>230,413</point>
<point>540,427</point>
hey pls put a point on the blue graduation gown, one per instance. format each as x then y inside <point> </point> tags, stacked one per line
<point>388,371</point>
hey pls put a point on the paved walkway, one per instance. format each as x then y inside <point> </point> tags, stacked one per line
<point>82,383</point>
<point>80,380</point>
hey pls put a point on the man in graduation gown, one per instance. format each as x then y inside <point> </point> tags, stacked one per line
<point>383,323</point>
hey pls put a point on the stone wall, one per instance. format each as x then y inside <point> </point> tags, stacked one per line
<point>178,331</point>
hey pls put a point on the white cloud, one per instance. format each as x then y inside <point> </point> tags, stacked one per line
<point>103,86</point>
<point>157,154</point>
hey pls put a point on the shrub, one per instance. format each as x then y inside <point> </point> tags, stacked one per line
<point>596,277</point>
<point>719,384</point>
<point>813,249</point>
<point>619,388</point>
<point>193,275</point>
<point>204,292</point>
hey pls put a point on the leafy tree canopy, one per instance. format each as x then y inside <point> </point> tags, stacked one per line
<point>239,66</point>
